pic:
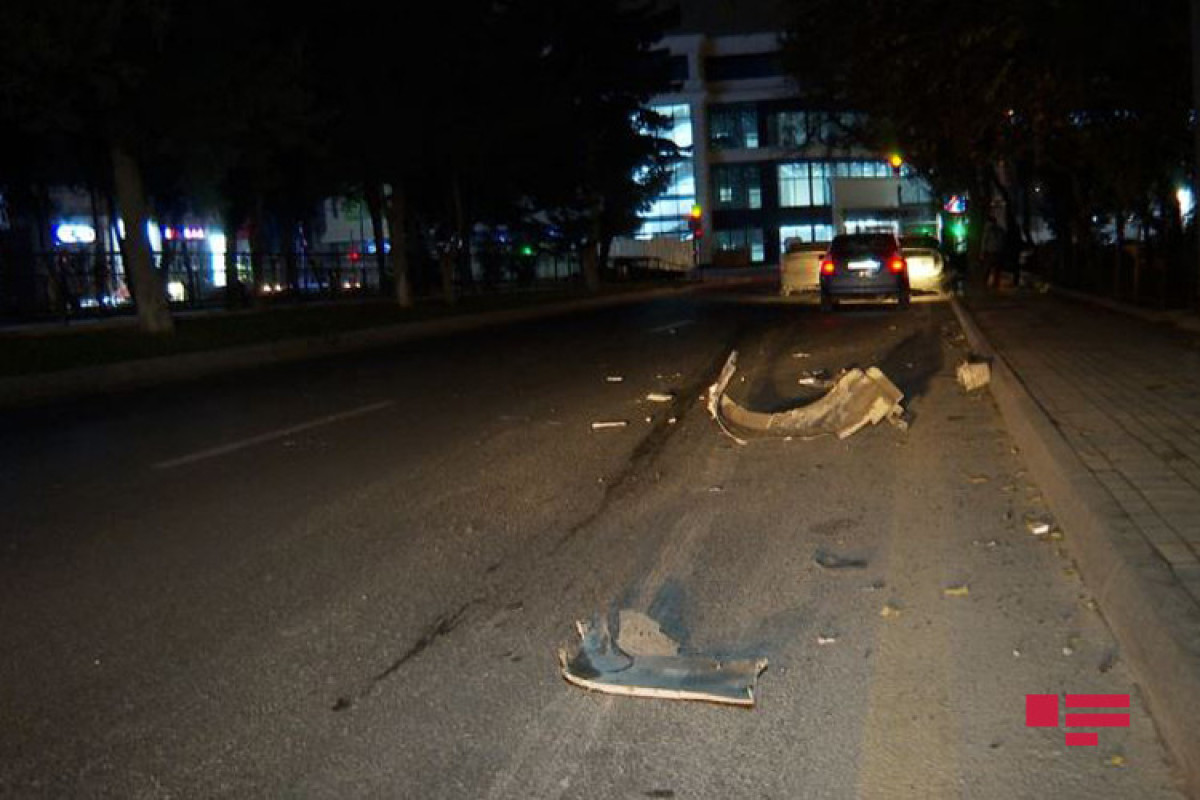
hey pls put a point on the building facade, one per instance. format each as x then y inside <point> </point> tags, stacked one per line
<point>764,169</point>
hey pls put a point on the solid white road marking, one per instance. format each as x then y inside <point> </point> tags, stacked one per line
<point>672,326</point>
<point>233,447</point>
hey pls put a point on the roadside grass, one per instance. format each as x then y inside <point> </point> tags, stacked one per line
<point>45,349</point>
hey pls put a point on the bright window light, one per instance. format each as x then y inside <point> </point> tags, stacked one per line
<point>217,246</point>
<point>1187,202</point>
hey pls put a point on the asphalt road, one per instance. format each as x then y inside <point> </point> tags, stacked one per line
<point>351,578</point>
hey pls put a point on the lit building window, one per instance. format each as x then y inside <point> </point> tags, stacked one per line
<point>668,214</point>
<point>733,127</point>
<point>738,186</point>
<point>746,240</point>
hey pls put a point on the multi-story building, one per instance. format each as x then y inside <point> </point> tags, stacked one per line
<point>764,168</point>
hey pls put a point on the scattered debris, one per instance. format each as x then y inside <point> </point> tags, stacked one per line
<point>889,611</point>
<point>1108,662</point>
<point>1090,605</point>
<point>596,426</point>
<point>1037,527</point>
<point>1056,535</point>
<point>826,639</point>
<point>615,378</point>
<point>801,355</point>
<point>606,666</point>
<point>875,586</point>
<point>831,561</point>
<point>957,591</point>
<point>660,397</point>
<point>856,400</point>
<point>1016,653</point>
<point>671,421</point>
<point>990,543</point>
<point>1116,761</point>
<point>974,375</point>
<point>716,489</point>
<point>649,420</point>
<point>815,377</point>
<point>1069,572</point>
<point>978,479</point>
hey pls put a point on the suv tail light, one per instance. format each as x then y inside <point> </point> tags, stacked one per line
<point>826,266</point>
<point>897,265</point>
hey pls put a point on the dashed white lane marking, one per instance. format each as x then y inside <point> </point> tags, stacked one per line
<point>672,326</point>
<point>263,438</point>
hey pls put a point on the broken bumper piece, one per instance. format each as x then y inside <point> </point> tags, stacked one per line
<point>856,400</point>
<point>600,665</point>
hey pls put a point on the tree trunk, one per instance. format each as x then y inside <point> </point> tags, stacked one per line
<point>234,295</point>
<point>291,274</point>
<point>589,259</point>
<point>462,250</point>
<point>99,252</point>
<point>446,268</point>
<point>397,222</point>
<point>257,249</point>
<point>373,192</point>
<point>154,315</point>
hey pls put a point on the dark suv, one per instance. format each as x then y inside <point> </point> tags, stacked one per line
<point>864,265</point>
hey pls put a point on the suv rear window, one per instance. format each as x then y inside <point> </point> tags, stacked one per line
<point>863,244</point>
<point>927,242</point>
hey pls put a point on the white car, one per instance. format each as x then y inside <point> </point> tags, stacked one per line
<point>800,267</point>
<point>926,264</point>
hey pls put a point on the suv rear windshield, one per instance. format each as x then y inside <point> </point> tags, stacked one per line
<point>926,242</point>
<point>863,244</point>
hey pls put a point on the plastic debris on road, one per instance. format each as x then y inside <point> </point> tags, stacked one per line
<point>858,398</point>
<point>889,611</point>
<point>957,591</point>
<point>974,375</point>
<point>615,379</point>
<point>823,640</point>
<point>598,426</point>
<point>647,664</point>
<point>815,377</point>
<point>1038,527</point>
<point>660,397</point>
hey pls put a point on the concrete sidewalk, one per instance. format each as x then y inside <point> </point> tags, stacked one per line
<point>1106,410</point>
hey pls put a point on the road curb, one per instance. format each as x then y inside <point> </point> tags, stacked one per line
<point>28,390</point>
<point>1153,618</point>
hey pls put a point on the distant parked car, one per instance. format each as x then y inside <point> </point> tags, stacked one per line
<point>800,267</point>
<point>864,265</point>
<point>926,262</point>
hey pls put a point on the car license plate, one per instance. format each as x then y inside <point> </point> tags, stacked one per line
<point>863,266</point>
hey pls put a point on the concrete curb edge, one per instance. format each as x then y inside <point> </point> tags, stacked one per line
<point>1150,613</point>
<point>29,390</point>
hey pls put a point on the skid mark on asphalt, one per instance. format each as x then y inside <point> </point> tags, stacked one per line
<point>442,626</point>
<point>553,747</point>
<point>910,744</point>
